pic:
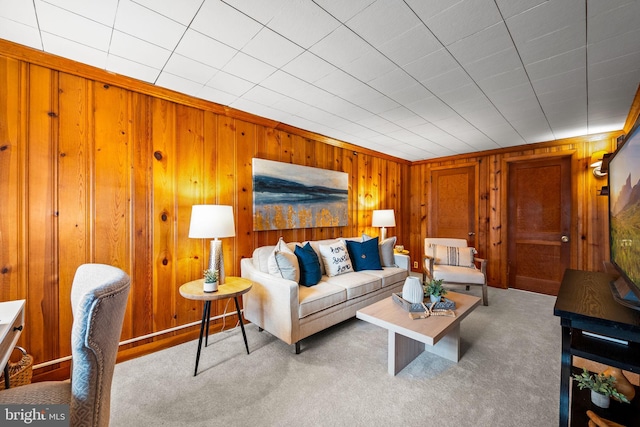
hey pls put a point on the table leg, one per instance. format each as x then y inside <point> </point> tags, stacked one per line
<point>7,380</point>
<point>244,335</point>
<point>402,350</point>
<point>206,339</point>
<point>205,320</point>
<point>448,346</point>
<point>565,374</point>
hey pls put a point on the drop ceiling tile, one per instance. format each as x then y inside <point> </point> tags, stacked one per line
<point>498,64</point>
<point>218,96</point>
<point>189,69</point>
<point>303,21</point>
<point>626,19</point>
<point>383,20</point>
<point>378,124</point>
<point>446,82</point>
<point>127,67</point>
<point>614,47</point>
<point>509,8</point>
<point>397,114</point>
<point>340,47</point>
<point>75,51</point>
<point>557,65</point>
<point>248,68</point>
<point>179,84</point>
<point>225,24</point>
<point>182,12</point>
<point>284,83</point>
<point>140,51</point>
<point>504,80</point>
<point>22,12</point>
<point>558,82</point>
<point>70,26</point>
<point>262,95</point>
<point>462,19</point>
<point>615,66</point>
<point>564,40</point>
<point>394,80</point>
<point>482,45</point>
<point>148,25</point>
<point>204,49</point>
<point>308,67</point>
<point>409,94</point>
<point>20,33</point>
<point>103,11</point>
<point>375,104</point>
<point>344,10</point>
<point>229,83</point>
<point>431,109</point>
<point>369,66</point>
<point>260,10</point>
<point>416,42</point>
<point>546,19</point>
<point>346,109</point>
<point>432,65</point>
<point>272,48</point>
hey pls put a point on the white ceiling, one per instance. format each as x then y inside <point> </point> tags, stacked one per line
<point>416,79</point>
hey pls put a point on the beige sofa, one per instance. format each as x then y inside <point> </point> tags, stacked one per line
<point>292,312</point>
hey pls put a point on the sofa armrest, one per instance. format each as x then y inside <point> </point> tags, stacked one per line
<point>402,261</point>
<point>272,303</point>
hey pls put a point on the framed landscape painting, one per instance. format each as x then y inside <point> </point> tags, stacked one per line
<point>287,196</point>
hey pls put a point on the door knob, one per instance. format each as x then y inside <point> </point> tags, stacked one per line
<point>564,239</point>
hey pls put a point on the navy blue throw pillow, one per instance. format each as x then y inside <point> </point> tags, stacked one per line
<point>310,273</point>
<point>365,255</point>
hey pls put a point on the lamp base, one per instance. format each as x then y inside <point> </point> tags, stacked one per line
<point>383,233</point>
<point>216,260</point>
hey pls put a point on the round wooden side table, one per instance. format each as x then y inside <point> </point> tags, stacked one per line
<point>233,287</point>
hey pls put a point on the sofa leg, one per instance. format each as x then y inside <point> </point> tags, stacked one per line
<point>485,296</point>
<point>297,347</point>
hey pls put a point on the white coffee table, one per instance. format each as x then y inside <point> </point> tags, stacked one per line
<point>408,338</point>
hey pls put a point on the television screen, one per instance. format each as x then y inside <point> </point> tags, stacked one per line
<point>624,217</point>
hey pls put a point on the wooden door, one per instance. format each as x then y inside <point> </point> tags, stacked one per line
<point>539,211</point>
<point>453,203</point>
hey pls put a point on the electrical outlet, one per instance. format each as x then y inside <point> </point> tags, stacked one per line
<point>415,264</point>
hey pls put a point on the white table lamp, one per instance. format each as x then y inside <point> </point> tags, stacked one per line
<point>213,221</point>
<point>383,218</point>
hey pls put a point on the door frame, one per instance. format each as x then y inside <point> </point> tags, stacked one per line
<point>504,206</point>
<point>476,192</point>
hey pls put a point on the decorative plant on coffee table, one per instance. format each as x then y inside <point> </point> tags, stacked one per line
<point>599,384</point>
<point>435,290</point>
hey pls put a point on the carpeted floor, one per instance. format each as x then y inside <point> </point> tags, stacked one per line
<point>509,375</point>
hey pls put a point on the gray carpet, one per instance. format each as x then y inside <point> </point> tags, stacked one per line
<point>509,375</point>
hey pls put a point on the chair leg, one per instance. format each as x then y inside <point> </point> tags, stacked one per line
<point>485,295</point>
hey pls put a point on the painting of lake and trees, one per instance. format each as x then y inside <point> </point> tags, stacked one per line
<point>287,196</point>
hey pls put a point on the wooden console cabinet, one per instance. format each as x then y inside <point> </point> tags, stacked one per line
<point>585,304</point>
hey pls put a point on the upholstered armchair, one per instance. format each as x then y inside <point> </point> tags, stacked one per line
<point>455,263</point>
<point>98,300</point>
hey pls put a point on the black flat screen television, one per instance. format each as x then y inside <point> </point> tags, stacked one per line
<point>624,218</point>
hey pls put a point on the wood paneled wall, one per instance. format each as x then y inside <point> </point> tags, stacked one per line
<point>93,171</point>
<point>589,209</point>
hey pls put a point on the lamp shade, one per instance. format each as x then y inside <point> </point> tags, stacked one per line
<point>209,221</point>
<point>383,218</point>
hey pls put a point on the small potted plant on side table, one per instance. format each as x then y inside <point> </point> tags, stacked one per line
<point>210,280</point>
<point>435,290</point>
<point>602,388</point>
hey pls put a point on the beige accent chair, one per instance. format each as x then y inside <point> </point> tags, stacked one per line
<point>454,274</point>
<point>98,300</point>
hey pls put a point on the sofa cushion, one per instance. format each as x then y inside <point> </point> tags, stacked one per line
<point>388,275</point>
<point>452,273</point>
<point>282,262</point>
<point>260,258</point>
<point>385,249</point>
<point>364,255</point>
<point>319,297</point>
<point>336,258</point>
<point>356,284</point>
<point>309,265</point>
